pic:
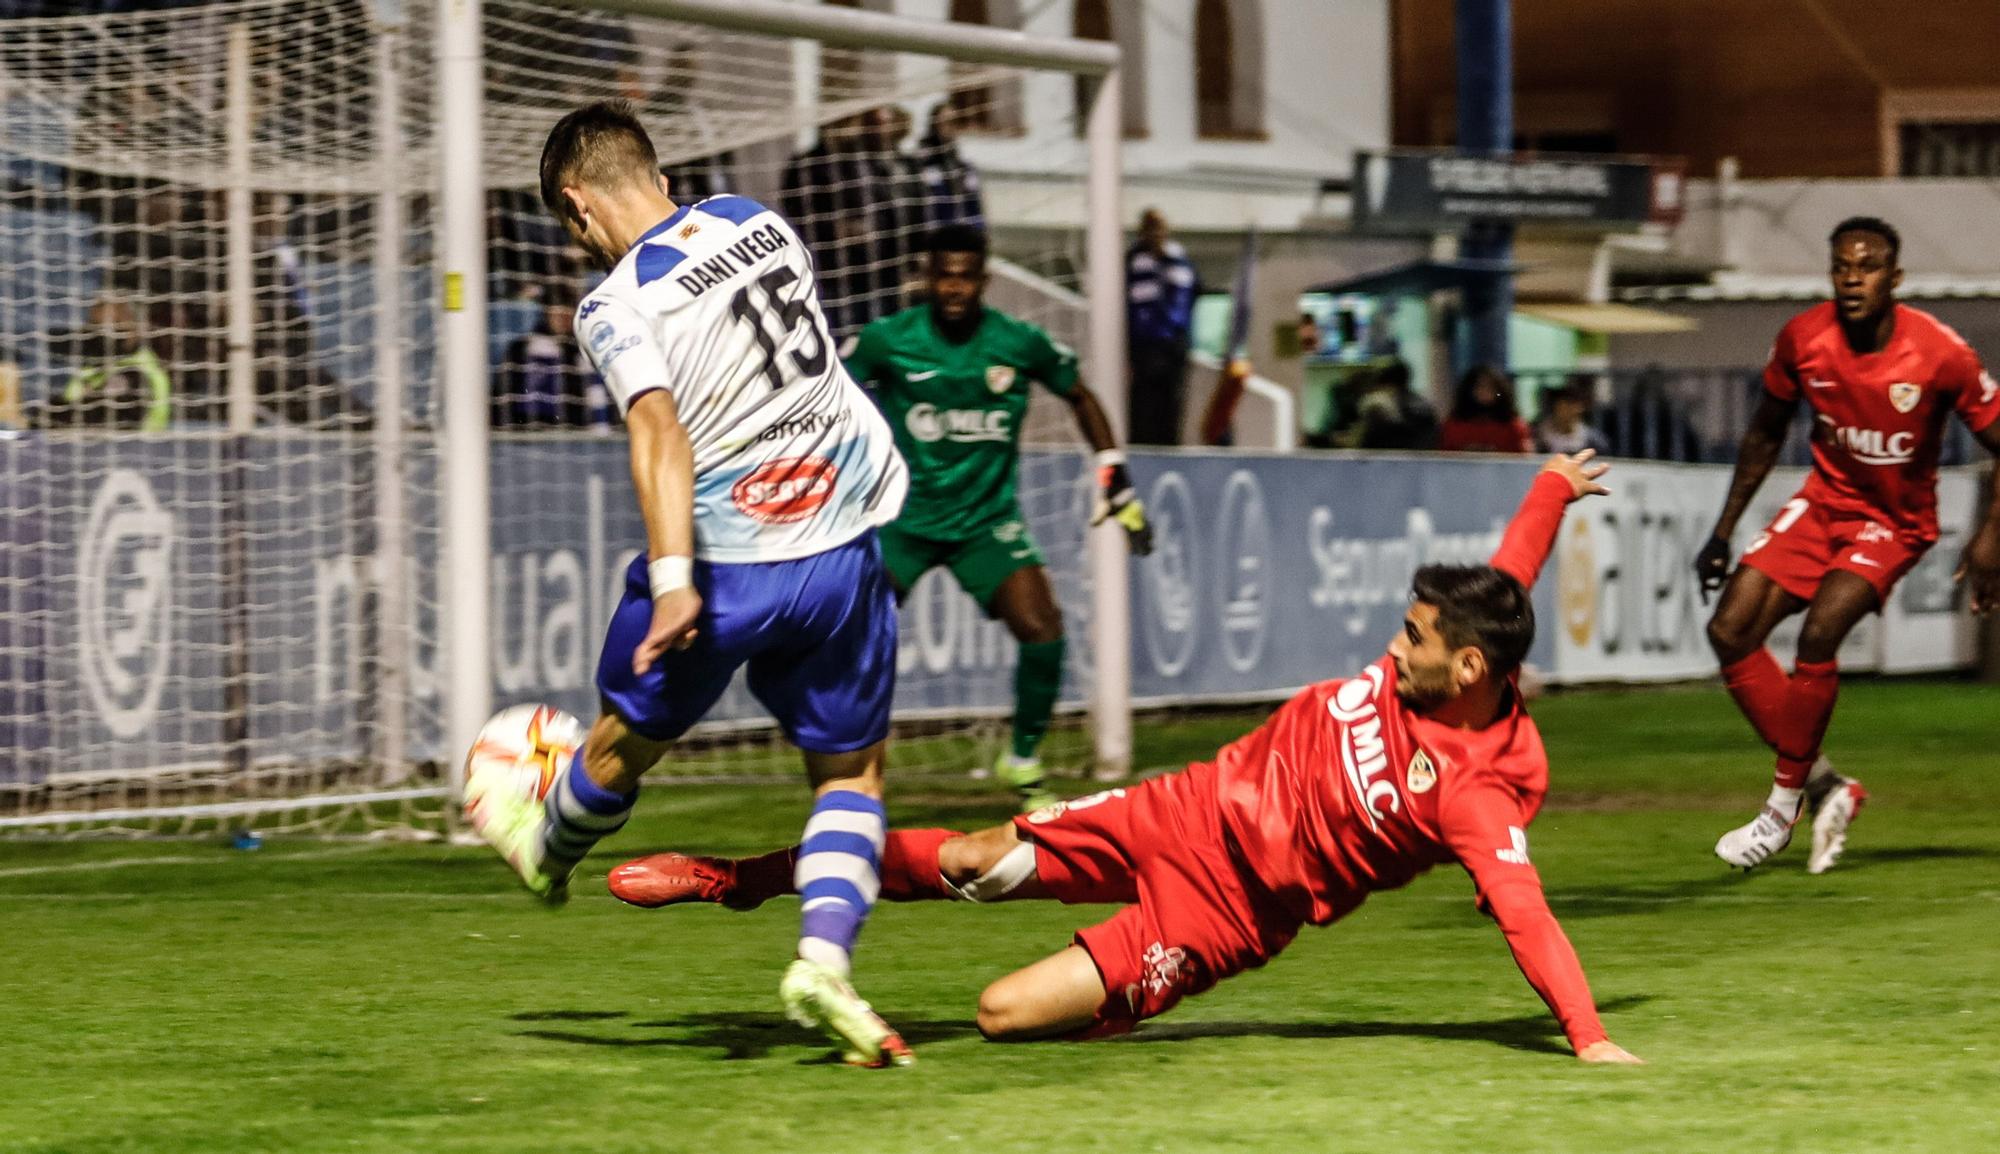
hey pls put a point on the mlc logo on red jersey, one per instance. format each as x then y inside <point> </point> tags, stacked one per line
<point>1875,447</point>
<point>1361,752</point>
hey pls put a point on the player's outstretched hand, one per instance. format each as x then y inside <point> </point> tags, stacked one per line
<point>1580,471</point>
<point>672,627</point>
<point>1979,568</point>
<point>1118,500</point>
<point>1711,566</point>
<point>1608,1053</point>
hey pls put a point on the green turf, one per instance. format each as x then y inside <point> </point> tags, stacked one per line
<point>310,997</point>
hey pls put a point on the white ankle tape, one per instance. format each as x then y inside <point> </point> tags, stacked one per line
<point>1006,875</point>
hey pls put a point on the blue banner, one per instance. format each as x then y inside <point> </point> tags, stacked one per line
<point>1273,572</point>
<point>157,593</point>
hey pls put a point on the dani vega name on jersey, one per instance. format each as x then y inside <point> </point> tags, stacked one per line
<point>755,245</point>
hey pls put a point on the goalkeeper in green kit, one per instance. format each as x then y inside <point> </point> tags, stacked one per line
<point>952,376</point>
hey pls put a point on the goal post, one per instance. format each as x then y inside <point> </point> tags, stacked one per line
<point>464,368</point>
<point>464,374</point>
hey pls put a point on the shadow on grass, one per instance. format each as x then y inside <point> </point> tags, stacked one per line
<point>740,1035</point>
<point>1605,901</point>
<point>1896,853</point>
<point>1575,902</point>
<point>737,1034</point>
<point>1536,1033</point>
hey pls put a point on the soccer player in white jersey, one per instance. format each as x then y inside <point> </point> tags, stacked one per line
<point>762,472</point>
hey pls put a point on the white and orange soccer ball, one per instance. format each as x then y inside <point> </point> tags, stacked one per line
<point>521,749</point>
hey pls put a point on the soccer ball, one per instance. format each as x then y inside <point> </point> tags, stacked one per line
<point>522,748</point>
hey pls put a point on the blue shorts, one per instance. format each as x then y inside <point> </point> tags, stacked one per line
<point>818,633</point>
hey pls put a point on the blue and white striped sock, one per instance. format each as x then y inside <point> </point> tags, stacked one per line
<point>581,813</point>
<point>839,874</point>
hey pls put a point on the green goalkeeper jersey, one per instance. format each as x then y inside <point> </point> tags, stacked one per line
<point>956,411</point>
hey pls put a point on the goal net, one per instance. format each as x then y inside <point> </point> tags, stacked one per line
<point>221,572</point>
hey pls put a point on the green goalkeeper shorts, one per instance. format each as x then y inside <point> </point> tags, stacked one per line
<point>979,562</point>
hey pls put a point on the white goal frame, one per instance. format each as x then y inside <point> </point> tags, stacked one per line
<point>462,337</point>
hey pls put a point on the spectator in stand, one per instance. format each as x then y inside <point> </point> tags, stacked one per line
<point>544,382</point>
<point>1565,425</point>
<point>525,246</point>
<point>1308,334</point>
<point>1647,423</point>
<point>951,184</point>
<point>117,381</point>
<point>1483,418</point>
<point>902,214</point>
<point>167,250</point>
<point>1390,414</point>
<point>567,56</point>
<point>1160,290</point>
<point>830,196</point>
<point>679,97</point>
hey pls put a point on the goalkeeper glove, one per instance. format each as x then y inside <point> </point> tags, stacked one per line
<point>1711,566</point>
<point>1117,500</point>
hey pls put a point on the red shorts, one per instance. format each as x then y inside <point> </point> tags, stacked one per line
<point>1806,541</point>
<point>1194,921</point>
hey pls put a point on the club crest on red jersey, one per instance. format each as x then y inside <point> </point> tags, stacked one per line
<point>1421,775</point>
<point>1905,395</point>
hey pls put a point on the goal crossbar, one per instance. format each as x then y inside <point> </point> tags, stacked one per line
<point>858,28</point>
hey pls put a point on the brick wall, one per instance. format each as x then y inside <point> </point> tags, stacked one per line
<point>1767,81</point>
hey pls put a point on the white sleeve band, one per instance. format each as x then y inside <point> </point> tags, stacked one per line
<point>667,574</point>
<point>1007,874</point>
<point>1108,458</point>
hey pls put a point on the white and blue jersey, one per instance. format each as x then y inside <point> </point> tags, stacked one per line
<point>719,305</point>
<point>793,469</point>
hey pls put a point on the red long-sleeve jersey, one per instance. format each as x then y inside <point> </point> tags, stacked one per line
<point>1345,791</point>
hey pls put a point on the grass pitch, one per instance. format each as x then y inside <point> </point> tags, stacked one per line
<point>165,997</point>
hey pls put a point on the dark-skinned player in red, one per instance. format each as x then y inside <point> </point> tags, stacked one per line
<point>1880,379</point>
<point>1353,786</point>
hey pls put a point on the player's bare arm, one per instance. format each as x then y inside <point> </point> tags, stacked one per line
<point>663,477</point>
<point>1116,497</point>
<point>1090,419</point>
<point>1979,565</point>
<point>1756,455</point>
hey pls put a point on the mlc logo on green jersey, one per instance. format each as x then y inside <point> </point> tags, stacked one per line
<point>927,422</point>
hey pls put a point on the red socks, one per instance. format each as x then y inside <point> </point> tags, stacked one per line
<point>910,865</point>
<point>1760,688</point>
<point>1789,713</point>
<point>767,876</point>
<point>909,868</point>
<point>1808,708</point>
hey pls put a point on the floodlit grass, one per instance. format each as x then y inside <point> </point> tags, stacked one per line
<point>333,997</point>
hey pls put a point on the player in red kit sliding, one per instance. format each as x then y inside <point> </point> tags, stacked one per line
<point>1353,786</point>
<point>1880,379</point>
